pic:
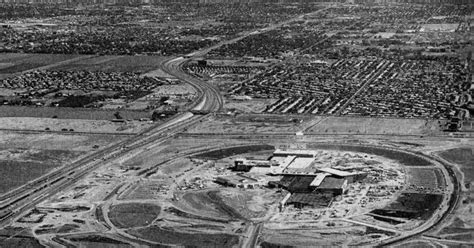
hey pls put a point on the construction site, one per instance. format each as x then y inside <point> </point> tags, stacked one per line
<point>236,124</point>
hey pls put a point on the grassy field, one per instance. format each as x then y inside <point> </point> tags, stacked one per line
<point>133,214</point>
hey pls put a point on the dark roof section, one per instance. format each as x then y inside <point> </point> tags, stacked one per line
<point>331,183</point>
<point>311,199</point>
<point>301,184</point>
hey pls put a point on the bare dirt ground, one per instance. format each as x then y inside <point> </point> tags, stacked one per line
<point>360,125</point>
<point>86,126</point>
<point>249,124</point>
<point>248,106</point>
<point>25,156</point>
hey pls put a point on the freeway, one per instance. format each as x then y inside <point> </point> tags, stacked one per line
<point>210,98</point>
<point>19,201</point>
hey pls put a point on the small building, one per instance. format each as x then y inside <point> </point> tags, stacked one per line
<point>242,164</point>
<point>237,181</point>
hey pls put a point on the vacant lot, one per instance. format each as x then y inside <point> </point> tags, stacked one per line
<point>404,158</point>
<point>359,125</point>
<point>94,126</point>
<point>16,173</point>
<point>7,241</point>
<point>133,214</point>
<point>248,106</point>
<point>210,204</point>
<point>249,124</point>
<point>412,206</point>
<point>14,63</point>
<point>249,204</point>
<point>231,151</point>
<point>70,113</point>
<point>465,158</point>
<point>25,157</point>
<point>426,178</point>
<point>51,141</point>
<point>167,236</point>
<point>139,64</point>
<point>18,167</point>
<point>97,241</point>
<point>22,62</point>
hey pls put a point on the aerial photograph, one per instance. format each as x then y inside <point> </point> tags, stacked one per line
<point>236,123</point>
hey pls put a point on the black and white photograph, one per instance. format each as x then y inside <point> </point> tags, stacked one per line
<point>236,123</point>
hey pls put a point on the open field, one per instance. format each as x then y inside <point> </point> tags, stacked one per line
<point>465,158</point>
<point>16,173</point>
<point>248,204</point>
<point>169,236</point>
<point>18,237</point>
<point>402,157</point>
<point>97,241</point>
<point>70,113</point>
<point>415,244</point>
<point>111,63</point>
<point>342,234</point>
<point>250,124</point>
<point>227,152</point>
<point>133,214</point>
<point>20,166</point>
<point>210,204</point>
<point>460,226</point>
<point>25,157</point>
<point>425,179</point>
<point>81,125</point>
<point>19,241</point>
<point>13,63</point>
<point>22,62</point>
<point>365,125</point>
<point>412,206</point>
<point>51,141</point>
<point>248,106</point>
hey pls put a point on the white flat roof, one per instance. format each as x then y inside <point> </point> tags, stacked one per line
<point>336,172</point>
<point>301,163</point>
<point>319,179</point>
